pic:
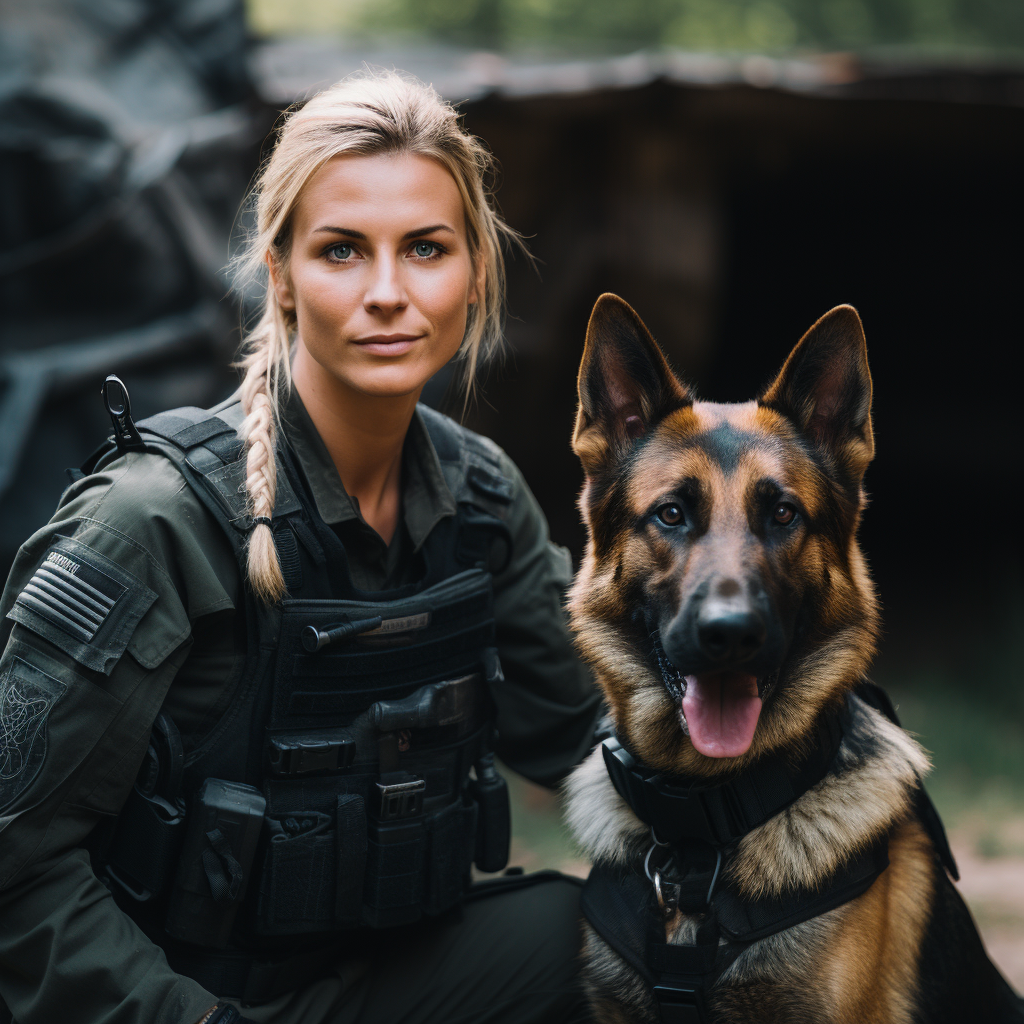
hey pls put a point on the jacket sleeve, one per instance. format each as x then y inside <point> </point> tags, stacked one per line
<point>96,630</point>
<point>548,705</point>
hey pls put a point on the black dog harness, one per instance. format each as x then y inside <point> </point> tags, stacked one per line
<point>694,827</point>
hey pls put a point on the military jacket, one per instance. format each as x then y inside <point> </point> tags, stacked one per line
<point>162,628</point>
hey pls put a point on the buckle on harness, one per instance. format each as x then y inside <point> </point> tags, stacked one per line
<point>678,1005</point>
<point>307,753</point>
<point>401,799</point>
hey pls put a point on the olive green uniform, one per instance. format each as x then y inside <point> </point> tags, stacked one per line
<point>75,720</point>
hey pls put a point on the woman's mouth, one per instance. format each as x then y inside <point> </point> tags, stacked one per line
<point>388,344</point>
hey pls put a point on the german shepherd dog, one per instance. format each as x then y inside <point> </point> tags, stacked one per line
<point>726,608</point>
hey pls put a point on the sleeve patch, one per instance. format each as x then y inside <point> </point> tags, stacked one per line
<point>84,603</point>
<point>27,695</point>
<point>71,594</point>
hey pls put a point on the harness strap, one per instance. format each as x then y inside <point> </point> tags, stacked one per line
<point>680,808</point>
<point>874,696</point>
<point>620,907</point>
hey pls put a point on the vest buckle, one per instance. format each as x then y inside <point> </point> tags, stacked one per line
<point>401,799</point>
<point>308,753</point>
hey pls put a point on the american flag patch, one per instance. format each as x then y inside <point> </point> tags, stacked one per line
<point>71,594</point>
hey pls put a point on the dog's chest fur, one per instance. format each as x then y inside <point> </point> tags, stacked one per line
<point>816,971</point>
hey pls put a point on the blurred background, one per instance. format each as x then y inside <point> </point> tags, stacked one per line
<point>733,168</point>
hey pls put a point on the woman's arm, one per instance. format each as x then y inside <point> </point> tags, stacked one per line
<point>75,718</point>
<point>548,705</point>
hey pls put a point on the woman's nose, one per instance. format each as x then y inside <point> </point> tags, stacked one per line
<point>385,290</point>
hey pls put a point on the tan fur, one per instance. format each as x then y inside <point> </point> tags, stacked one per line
<point>599,819</point>
<point>870,968</point>
<point>843,814</point>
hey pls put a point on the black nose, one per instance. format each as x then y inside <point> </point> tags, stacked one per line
<point>729,634</point>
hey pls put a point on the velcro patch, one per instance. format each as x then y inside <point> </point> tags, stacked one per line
<point>83,602</point>
<point>71,594</point>
<point>27,695</point>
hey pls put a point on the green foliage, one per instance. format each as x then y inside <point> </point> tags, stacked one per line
<point>612,25</point>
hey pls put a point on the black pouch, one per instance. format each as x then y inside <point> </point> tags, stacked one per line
<point>145,850</point>
<point>451,836</point>
<point>393,888</point>
<point>297,885</point>
<point>142,856</point>
<point>225,822</point>
<point>351,836</point>
<point>494,833</point>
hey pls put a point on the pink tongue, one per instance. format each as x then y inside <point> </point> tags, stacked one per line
<point>721,710</point>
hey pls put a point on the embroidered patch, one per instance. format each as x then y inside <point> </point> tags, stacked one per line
<point>71,594</point>
<point>27,696</point>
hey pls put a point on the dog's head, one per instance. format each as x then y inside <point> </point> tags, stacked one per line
<point>722,600</point>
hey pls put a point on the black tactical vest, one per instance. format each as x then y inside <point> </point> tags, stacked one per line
<point>351,782</point>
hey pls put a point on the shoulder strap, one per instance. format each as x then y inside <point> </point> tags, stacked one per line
<point>471,464</point>
<point>204,445</point>
<point>482,490</point>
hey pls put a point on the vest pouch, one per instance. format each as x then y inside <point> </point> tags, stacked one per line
<point>395,858</point>
<point>490,791</point>
<point>451,834</point>
<point>299,877</point>
<point>144,852</point>
<point>224,827</point>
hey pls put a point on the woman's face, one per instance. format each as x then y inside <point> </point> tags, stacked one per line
<point>380,275</point>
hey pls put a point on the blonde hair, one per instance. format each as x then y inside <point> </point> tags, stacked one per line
<point>380,112</point>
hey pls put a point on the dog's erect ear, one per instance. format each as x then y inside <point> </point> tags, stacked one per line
<point>825,389</point>
<point>625,384</point>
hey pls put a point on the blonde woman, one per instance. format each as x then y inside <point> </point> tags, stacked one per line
<point>260,661</point>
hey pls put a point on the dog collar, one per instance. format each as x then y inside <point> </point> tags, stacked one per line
<point>679,808</point>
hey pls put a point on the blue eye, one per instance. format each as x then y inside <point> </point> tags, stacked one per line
<point>426,249</point>
<point>341,251</point>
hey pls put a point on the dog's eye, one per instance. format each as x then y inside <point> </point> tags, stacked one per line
<point>784,514</point>
<point>671,515</point>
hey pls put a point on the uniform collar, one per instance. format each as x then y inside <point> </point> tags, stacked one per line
<point>426,497</point>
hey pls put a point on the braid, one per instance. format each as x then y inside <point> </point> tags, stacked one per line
<point>262,367</point>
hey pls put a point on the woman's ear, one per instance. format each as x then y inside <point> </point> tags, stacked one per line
<point>478,282</point>
<point>281,285</point>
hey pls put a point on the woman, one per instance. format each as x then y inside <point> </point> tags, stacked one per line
<point>286,611</point>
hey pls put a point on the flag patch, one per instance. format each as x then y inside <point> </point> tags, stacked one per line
<point>71,594</point>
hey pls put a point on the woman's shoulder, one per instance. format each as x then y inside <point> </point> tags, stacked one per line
<point>136,511</point>
<point>131,492</point>
<point>137,491</point>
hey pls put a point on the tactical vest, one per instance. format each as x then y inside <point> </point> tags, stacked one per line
<point>351,782</point>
